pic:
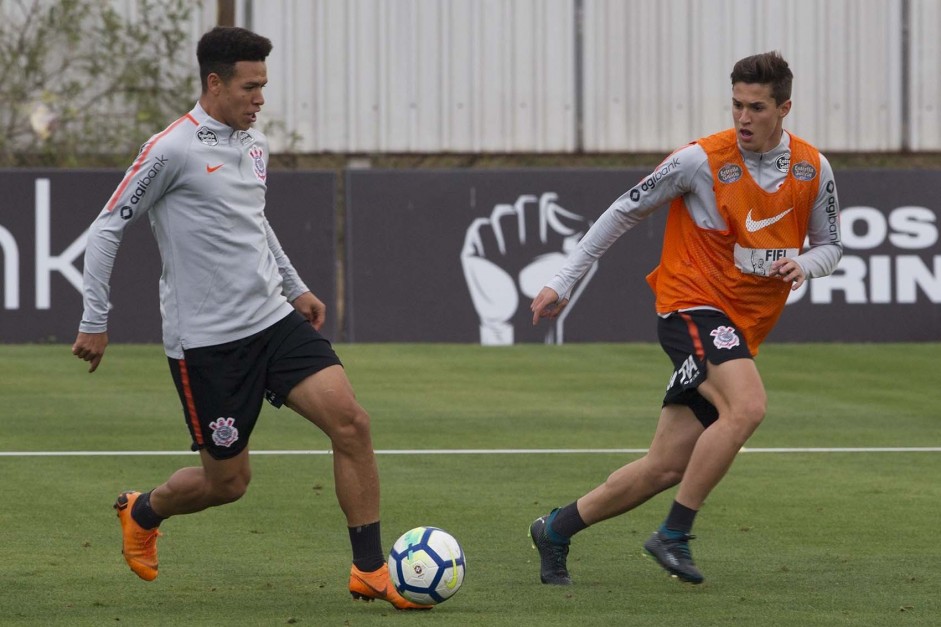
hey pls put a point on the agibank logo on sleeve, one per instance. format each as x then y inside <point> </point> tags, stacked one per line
<point>149,176</point>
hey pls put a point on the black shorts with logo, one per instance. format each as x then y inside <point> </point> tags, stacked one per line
<point>222,386</point>
<point>691,338</point>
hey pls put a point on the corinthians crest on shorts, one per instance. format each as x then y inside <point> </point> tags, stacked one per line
<point>725,337</point>
<point>224,432</point>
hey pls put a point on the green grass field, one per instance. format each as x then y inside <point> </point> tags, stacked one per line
<point>789,538</point>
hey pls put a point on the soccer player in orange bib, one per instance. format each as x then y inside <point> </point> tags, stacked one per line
<point>742,203</point>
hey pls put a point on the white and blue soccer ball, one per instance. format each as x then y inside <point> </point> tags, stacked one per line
<point>427,565</point>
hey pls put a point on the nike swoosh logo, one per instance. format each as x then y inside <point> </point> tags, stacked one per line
<point>210,170</point>
<point>756,225</point>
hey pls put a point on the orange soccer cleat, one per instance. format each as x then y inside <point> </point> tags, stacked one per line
<point>139,545</point>
<point>377,585</point>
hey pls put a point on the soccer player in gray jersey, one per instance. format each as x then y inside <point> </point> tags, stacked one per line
<point>239,325</point>
<point>742,203</point>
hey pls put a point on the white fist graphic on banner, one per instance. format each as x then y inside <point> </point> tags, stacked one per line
<point>514,252</point>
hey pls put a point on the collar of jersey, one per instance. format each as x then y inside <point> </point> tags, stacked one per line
<point>755,158</point>
<point>204,119</point>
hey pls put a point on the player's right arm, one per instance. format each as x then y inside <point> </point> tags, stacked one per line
<point>144,183</point>
<point>671,179</point>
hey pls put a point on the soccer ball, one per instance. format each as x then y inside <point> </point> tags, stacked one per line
<point>427,565</point>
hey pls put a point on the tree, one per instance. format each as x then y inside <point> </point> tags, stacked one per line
<point>85,84</point>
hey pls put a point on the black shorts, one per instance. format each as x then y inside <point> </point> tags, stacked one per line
<point>222,386</point>
<point>691,338</point>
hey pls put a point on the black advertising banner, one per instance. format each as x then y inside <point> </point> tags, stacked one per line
<point>457,255</point>
<point>44,216</point>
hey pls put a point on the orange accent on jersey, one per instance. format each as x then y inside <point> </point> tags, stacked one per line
<point>697,266</point>
<point>190,403</point>
<point>138,162</point>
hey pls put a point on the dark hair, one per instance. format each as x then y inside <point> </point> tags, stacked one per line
<point>768,68</point>
<point>221,48</point>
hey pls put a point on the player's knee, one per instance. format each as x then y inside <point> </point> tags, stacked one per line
<point>664,473</point>
<point>748,413</point>
<point>230,492</point>
<point>755,408</point>
<point>351,429</point>
<point>667,477</point>
<point>230,489</point>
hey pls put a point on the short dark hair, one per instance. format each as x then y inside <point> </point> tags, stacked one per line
<point>768,68</point>
<point>221,48</point>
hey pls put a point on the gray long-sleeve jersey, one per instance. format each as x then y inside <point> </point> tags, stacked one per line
<point>224,274</point>
<point>686,173</point>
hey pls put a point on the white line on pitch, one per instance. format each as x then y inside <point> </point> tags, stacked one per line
<point>507,451</point>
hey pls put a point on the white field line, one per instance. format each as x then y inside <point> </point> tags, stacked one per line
<point>505,451</point>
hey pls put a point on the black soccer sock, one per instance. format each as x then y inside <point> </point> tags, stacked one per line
<point>566,523</point>
<point>680,519</point>
<point>143,514</point>
<point>367,547</point>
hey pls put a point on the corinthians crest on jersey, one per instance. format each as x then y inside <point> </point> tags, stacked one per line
<point>258,162</point>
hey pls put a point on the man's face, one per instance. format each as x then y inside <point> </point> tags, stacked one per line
<point>238,100</point>
<point>758,119</point>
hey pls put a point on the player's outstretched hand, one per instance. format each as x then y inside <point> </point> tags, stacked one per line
<point>547,305</point>
<point>90,347</point>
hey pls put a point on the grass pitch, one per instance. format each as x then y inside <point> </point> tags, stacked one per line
<point>788,538</point>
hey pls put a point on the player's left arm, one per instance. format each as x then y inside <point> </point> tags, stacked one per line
<point>823,233</point>
<point>292,285</point>
<point>293,288</point>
